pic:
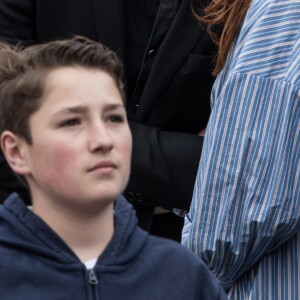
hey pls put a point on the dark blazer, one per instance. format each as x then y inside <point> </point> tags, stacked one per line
<point>174,104</point>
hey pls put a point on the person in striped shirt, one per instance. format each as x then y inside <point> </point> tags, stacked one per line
<point>244,219</point>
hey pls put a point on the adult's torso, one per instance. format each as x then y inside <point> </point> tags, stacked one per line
<point>176,94</point>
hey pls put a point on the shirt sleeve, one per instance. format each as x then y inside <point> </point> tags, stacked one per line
<point>246,196</point>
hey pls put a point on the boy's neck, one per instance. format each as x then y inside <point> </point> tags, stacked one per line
<point>87,234</point>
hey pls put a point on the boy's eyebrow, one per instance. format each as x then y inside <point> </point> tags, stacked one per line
<point>113,106</point>
<point>83,109</point>
<point>75,109</point>
<point>72,109</point>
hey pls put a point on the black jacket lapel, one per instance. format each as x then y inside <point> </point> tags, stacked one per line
<point>182,36</point>
<point>111,23</point>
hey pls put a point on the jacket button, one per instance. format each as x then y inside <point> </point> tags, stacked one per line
<point>129,196</point>
<point>139,197</point>
<point>151,53</point>
<point>134,197</point>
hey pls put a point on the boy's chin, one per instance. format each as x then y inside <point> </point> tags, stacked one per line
<point>93,205</point>
<point>102,199</point>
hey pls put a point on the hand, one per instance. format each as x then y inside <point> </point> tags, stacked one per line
<point>202,132</point>
<point>160,210</point>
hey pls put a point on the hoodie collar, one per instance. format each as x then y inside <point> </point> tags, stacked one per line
<point>28,231</point>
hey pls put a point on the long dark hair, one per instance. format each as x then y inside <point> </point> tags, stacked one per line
<point>228,14</point>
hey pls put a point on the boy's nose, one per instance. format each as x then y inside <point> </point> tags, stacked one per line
<point>100,138</point>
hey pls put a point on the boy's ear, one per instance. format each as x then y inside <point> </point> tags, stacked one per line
<point>14,149</point>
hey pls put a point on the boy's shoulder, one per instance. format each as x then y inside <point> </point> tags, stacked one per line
<point>172,252</point>
<point>179,270</point>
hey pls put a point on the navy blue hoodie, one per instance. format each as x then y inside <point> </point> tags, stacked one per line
<point>36,264</point>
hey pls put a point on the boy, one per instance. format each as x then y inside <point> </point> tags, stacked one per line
<point>64,131</point>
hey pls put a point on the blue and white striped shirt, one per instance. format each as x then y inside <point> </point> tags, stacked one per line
<point>244,220</point>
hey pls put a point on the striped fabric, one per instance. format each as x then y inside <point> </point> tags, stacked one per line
<point>244,220</point>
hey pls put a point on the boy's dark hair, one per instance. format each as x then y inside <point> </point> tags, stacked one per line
<point>23,73</point>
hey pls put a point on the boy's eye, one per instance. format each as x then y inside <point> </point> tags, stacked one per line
<point>70,122</point>
<point>115,119</point>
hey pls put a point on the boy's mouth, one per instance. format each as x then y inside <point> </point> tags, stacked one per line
<point>106,165</point>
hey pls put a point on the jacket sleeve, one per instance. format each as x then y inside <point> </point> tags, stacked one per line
<point>164,167</point>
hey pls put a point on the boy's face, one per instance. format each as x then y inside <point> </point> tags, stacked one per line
<point>81,146</point>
